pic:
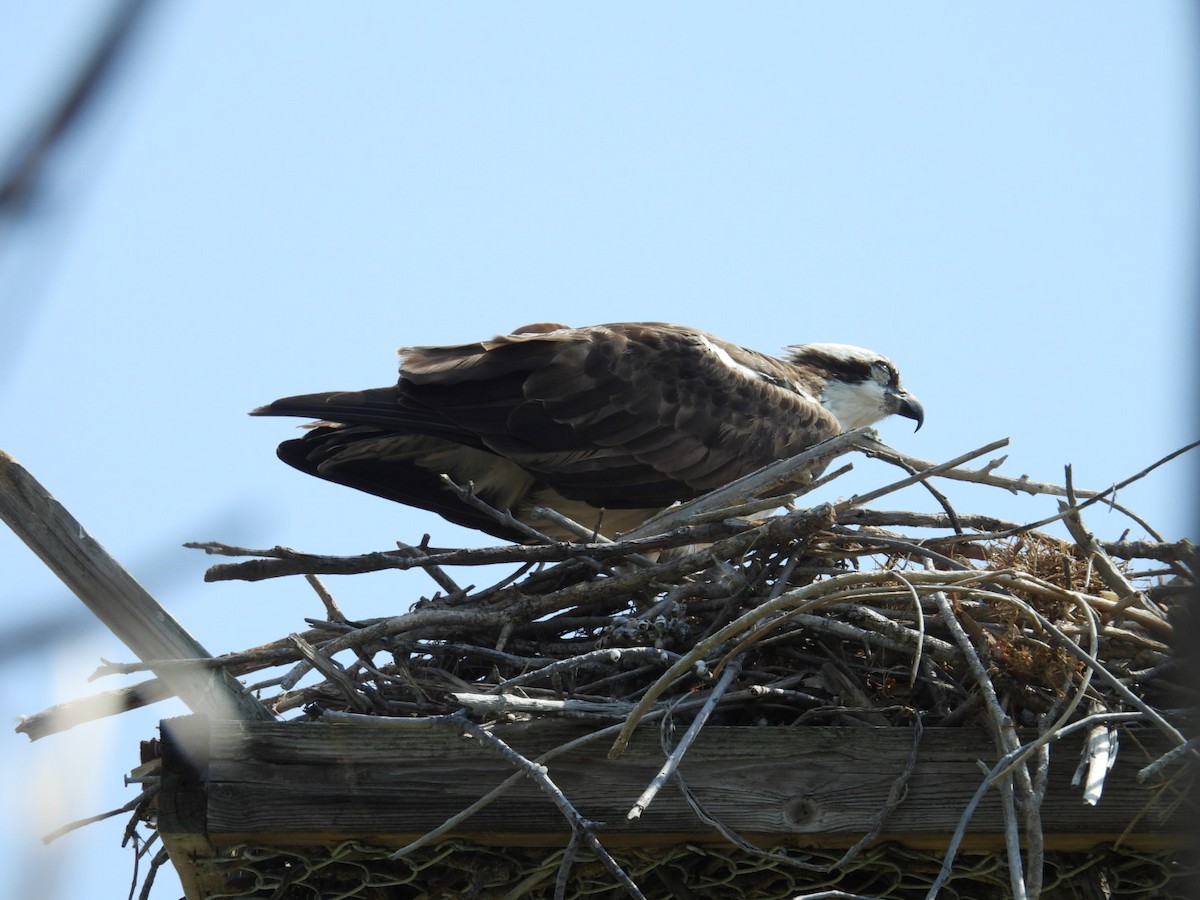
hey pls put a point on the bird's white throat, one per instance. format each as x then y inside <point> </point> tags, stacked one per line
<point>855,405</point>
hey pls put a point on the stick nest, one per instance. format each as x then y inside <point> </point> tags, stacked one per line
<point>834,614</point>
<point>736,611</point>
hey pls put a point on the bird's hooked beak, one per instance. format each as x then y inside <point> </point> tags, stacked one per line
<point>902,403</point>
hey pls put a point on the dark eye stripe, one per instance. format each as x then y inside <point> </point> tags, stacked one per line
<point>851,371</point>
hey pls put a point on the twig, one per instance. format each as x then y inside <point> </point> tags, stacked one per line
<point>64,716</point>
<point>978,476</point>
<point>331,607</point>
<point>765,480</point>
<point>281,561</point>
<point>333,671</point>
<point>562,877</point>
<point>1000,765</point>
<point>504,704</point>
<point>941,498</point>
<point>1097,496</point>
<point>1148,772</point>
<point>1012,839</point>
<point>915,668</point>
<point>1003,730</point>
<point>685,743</point>
<point>611,656</point>
<point>989,528</point>
<point>272,654</point>
<point>939,469</point>
<point>504,517</point>
<point>436,572</point>
<point>128,807</point>
<point>590,535</point>
<point>161,858</point>
<point>876,630</point>
<point>1126,593</point>
<point>915,549</point>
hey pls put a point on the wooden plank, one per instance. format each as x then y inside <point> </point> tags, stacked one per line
<point>182,805</point>
<point>116,597</point>
<point>301,783</point>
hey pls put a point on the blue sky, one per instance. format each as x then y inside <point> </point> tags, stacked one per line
<point>277,195</point>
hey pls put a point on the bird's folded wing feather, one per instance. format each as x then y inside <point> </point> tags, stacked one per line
<point>629,415</point>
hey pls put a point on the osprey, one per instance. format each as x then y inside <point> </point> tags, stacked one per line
<point>607,424</point>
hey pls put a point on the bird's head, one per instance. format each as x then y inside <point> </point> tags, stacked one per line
<point>858,386</point>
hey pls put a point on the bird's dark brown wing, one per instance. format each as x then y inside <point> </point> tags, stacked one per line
<point>625,416</point>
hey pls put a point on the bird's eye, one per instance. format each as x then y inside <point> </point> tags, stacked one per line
<point>885,372</point>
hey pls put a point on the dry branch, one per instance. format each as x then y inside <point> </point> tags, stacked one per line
<point>115,597</point>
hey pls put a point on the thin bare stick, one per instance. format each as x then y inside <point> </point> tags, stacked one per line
<point>562,878</point>
<point>611,656</point>
<point>867,626</point>
<point>280,561</point>
<point>1004,762</point>
<point>331,607</point>
<point>436,572</point>
<point>915,668</point>
<point>978,476</point>
<point>1127,594</point>
<point>333,671</point>
<point>1003,730</point>
<point>990,528</point>
<point>1012,839</point>
<point>128,807</point>
<point>685,743</point>
<point>765,480</point>
<point>504,517</point>
<point>64,716</point>
<point>591,535</point>
<point>1148,772</point>
<point>1098,496</point>
<point>939,469</point>
<point>871,535</point>
<point>506,704</point>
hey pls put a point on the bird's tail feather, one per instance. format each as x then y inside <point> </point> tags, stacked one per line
<point>383,407</point>
<point>375,406</point>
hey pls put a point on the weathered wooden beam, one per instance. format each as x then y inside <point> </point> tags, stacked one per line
<point>116,598</point>
<point>308,784</point>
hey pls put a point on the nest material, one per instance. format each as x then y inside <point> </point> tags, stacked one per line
<point>835,614</point>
